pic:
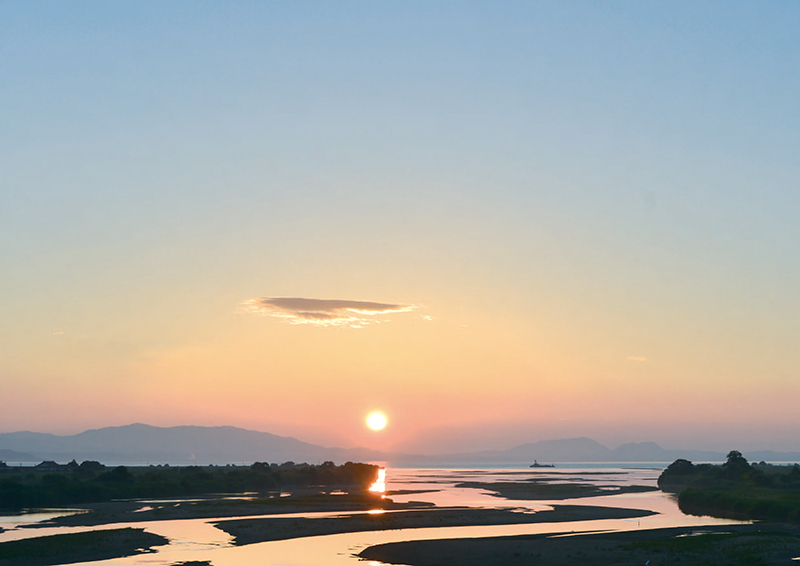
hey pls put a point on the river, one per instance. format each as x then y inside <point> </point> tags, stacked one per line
<point>199,540</point>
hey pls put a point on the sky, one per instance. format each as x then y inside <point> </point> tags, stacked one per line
<point>496,222</point>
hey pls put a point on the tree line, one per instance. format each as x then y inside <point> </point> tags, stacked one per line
<point>736,489</point>
<point>92,482</point>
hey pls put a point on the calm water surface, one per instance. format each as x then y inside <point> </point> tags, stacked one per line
<point>197,539</point>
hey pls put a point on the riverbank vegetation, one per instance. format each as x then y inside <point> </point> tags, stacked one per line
<point>735,489</point>
<point>91,482</point>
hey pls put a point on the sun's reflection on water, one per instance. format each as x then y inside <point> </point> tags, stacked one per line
<point>200,541</point>
<point>380,484</point>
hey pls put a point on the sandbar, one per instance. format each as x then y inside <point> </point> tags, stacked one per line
<point>216,507</point>
<point>78,547</point>
<point>729,545</point>
<point>546,490</point>
<point>248,531</point>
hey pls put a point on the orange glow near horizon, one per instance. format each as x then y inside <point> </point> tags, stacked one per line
<point>403,259</point>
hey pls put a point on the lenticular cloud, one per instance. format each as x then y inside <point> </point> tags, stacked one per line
<point>323,312</point>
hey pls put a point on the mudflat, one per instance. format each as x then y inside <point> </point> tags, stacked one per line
<point>96,514</point>
<point>78,547</point>
<point>549,490</point>
<point>730,545</point>
<point>248,531</point>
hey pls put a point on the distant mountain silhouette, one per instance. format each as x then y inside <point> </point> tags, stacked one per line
<point>574,450</point>
<point>14,456</point>
<point>566,450</point>
<point>771,456</point>
<point>142,444</point>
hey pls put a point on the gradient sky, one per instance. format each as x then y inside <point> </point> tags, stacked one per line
<point>500,221</point>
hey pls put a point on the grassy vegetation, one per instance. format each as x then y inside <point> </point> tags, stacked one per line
<point>736,489</point>
<point>728,549</point>
<point>92,484</point>
<point>743,503</point>
<point>739,545</point>
<point>703,541</point>
<point>78,547</point>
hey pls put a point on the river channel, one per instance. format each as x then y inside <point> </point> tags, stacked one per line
<point>199,540</point>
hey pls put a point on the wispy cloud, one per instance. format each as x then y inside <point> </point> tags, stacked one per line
<point>323,312</point>
<point>637,358</point>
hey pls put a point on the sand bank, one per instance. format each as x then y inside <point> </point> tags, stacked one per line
<point>248,531</point>
<point>78,547</point>
<point>215,507</point>
<point>762,544</point>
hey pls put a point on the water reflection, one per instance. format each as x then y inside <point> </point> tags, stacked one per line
<point>198,540</point>
<point>380,484</point>
<point>33,516</point>
<point>13,527</point>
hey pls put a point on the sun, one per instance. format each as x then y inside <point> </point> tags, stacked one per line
<point>376,420</point>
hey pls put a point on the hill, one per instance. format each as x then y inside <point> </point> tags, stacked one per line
<point>140,443</point>
<point>143,444</point>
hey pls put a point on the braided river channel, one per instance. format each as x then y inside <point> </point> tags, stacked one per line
<point>198,540</point>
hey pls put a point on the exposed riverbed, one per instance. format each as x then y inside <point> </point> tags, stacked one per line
<point>466,505</point>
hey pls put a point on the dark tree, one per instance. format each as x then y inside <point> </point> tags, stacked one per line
<point>118,474</point>
<point>680,467</point>
<point>735,459</point>
<point>736,466</point>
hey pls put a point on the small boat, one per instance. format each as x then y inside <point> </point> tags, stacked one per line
<point>538,465</point>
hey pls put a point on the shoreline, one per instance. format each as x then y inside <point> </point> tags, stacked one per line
<point>99,514</point>
<point>773,544</point>
<point>101,544</point>
<point>769,544</point>
<point>256,519</point>
<point>249,531</point>
<point>110,542</point>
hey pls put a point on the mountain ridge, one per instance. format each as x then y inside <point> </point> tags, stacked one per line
<point>140,443</point>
